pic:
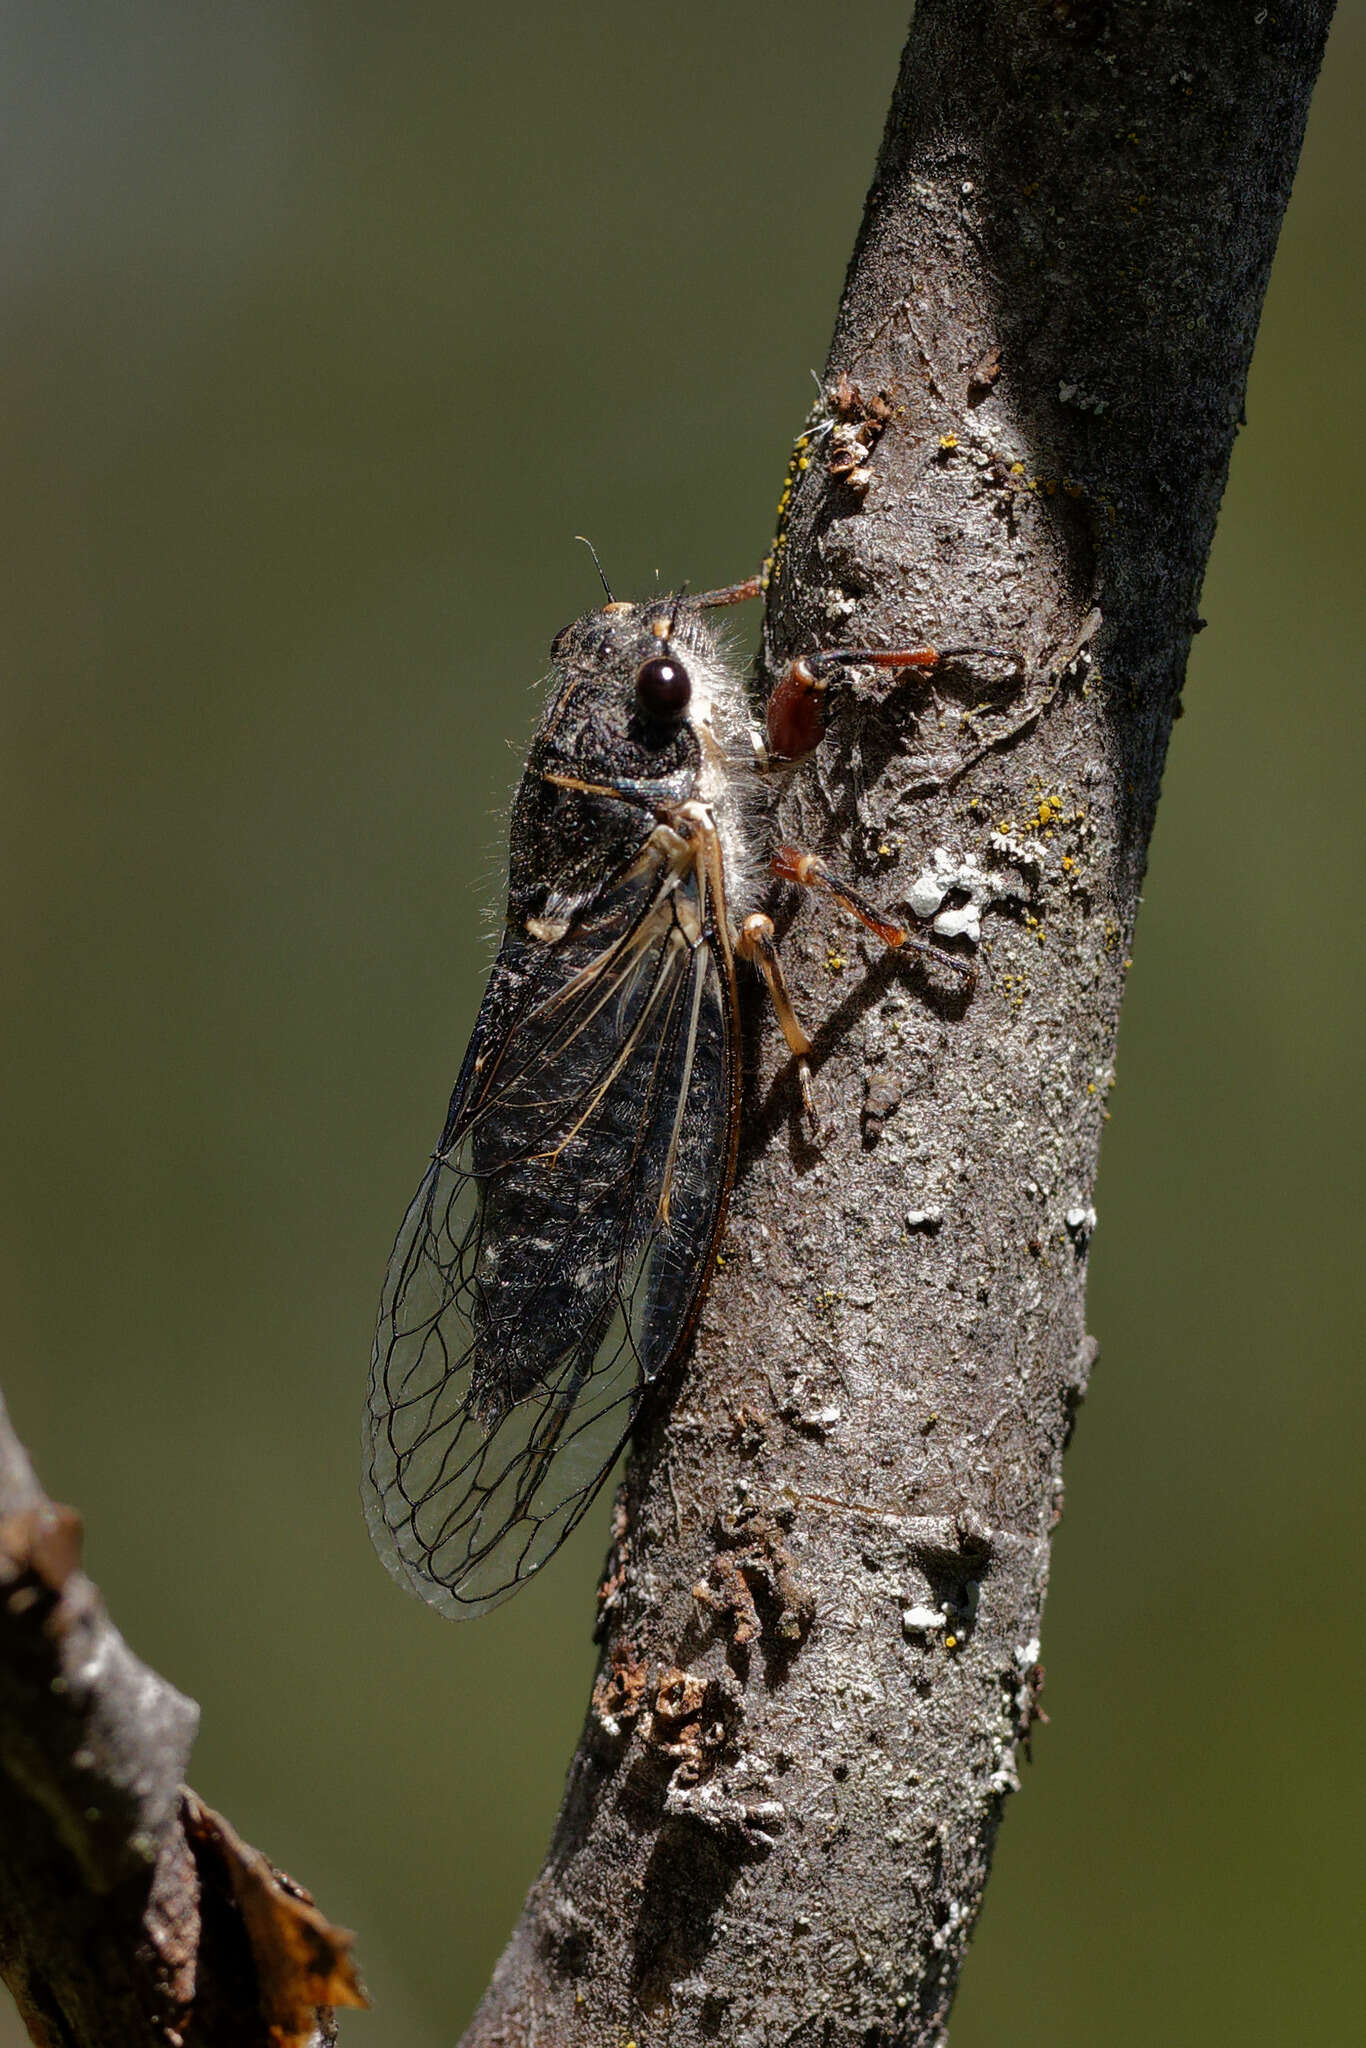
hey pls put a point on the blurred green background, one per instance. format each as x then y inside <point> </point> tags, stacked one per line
<point>324,329</point>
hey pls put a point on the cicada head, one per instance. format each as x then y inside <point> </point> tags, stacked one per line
<point>646,712</point>
<point>635,692</point>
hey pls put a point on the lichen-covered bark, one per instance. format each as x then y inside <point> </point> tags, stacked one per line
<point>821,1630</point>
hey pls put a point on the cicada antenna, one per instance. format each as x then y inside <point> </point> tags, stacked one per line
<point>597,565</point>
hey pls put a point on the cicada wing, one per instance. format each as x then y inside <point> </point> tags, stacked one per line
<point>550,1265</point>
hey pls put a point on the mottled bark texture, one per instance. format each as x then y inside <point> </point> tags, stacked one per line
<point>131,1916</point>
<point>822,1618</point>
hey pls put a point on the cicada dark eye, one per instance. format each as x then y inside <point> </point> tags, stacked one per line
<point>560,642</point>
<point>663,687</point>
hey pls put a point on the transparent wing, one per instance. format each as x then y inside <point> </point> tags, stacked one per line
<point>552,1260</point>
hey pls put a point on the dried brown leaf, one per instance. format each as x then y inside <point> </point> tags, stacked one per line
<point>42,1541</point>
<point>302,1961</point>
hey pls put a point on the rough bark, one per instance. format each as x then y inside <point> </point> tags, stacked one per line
<point>821,1618</point>
<point>130,1914</point>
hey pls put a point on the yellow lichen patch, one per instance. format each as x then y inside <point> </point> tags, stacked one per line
<point>798,461</point>
<point>835,963</point>
<point>1050,815</point>
<point>948,442</point>
<point>1016,987</point>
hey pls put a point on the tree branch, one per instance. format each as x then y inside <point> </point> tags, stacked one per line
<point>822,1611</point>
<point>130,1913</point>
<point>821,1614</point>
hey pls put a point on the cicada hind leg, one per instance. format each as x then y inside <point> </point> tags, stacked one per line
<point>757,942</point>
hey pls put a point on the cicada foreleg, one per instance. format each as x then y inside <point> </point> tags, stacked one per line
<point>731,593</point>
<point>796,709</point>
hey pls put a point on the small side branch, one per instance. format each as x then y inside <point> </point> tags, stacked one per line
<point>129,1912</point>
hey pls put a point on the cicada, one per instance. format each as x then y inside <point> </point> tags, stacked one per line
<point>553,1262</point>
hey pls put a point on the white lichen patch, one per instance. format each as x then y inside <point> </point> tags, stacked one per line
<point>964,922</point>
<point>1025,853</point>
<point>930,1219</point>
<point>713,1806</point>
<point>1005,1777</point>
<point>946,877</point>
<point>923,1621</point>
<point>959,1915</point>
